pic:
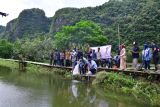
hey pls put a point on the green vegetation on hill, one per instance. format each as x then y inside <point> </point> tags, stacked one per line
<point>6,49</point>
<point>137,19</point>
<point>84,32</point>
<point>39,48</point>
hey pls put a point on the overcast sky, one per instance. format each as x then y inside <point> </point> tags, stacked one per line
<point>14,7</point>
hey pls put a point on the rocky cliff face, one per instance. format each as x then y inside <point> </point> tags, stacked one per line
<point>63,17</point>
<point>138,20</point>
<point>2,29</point>
<point>30,21</point>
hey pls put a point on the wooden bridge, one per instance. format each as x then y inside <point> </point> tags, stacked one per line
<point>129,71</point>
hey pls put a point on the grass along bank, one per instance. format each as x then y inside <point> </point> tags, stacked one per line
<point>35,69</point>
<point>141,89</point>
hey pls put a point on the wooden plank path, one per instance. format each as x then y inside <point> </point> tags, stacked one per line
<point>155,75</point>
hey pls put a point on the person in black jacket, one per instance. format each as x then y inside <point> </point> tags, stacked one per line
<point>52,57</point>
<point>79,54</point>
<point>135,55</point>
<point>155,54</point>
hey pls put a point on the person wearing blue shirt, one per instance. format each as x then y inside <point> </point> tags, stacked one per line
<point>146,56</point>
<point>94,55</point>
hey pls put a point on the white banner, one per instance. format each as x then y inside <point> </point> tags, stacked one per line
<point>105,51</point>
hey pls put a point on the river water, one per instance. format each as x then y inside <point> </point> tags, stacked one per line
<point>26,90</point>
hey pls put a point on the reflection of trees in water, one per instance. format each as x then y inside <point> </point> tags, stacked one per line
<point>73,94</point>
<point>86,96</point>
<point>117,99</point>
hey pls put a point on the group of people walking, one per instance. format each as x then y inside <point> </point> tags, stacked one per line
<point>90,60</point>
<point>149,53</point>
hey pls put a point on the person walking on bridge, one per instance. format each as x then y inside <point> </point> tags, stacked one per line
<point>146,56</point>
<point>155,54</point>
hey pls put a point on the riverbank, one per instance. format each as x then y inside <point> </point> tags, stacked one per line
<point>36,69</point>
<point>120,83</point>
<point>140,88</point>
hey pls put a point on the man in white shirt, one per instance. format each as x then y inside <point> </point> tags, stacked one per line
<point>98,57</point>
<point>92,66</point>
<point>73,58</point>
<point>108,58</point>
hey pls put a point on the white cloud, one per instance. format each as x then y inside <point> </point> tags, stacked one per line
<point>14,7</point>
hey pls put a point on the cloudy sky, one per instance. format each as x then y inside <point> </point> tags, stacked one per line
<point>14,7</point>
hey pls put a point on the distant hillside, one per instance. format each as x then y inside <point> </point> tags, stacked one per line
<point>138,20</point>
<point>28,23</point>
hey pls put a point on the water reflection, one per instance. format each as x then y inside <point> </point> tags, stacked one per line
<point>74,90</point>
<point>78,95</point>
<point>24,90</point>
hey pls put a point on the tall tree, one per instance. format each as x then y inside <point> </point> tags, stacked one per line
<point>83,32</point>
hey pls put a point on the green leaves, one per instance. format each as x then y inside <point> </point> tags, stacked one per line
<point>83,32</point>
<point>37,49</point>
<point>6,49</point>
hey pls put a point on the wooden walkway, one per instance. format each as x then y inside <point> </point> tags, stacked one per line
<point>154,75</point>
<point>127,71</point>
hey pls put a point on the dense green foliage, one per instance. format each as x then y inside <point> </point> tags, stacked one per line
<point>127,84</point>
<point>137,19</point>
<point>6,49</point>
<point>37,49</point>
<point>84,32</point>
